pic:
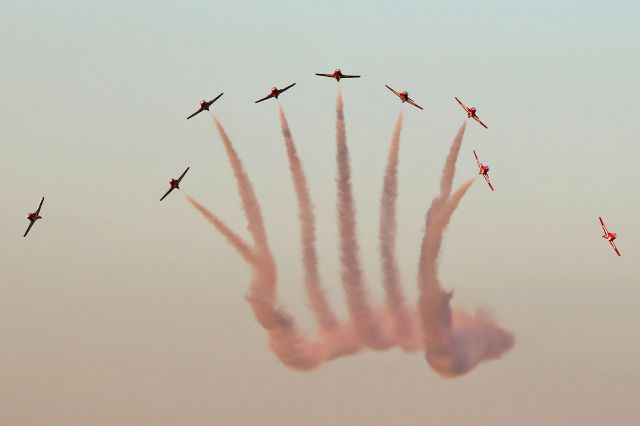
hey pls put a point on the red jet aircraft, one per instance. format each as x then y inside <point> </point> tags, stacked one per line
<point>471,113</point>
<point>33,217</point>
<point>204,106</point>
<point>275,92</point>
<point>609,236</point>
<point>484,170</point>
<point>337,74</point>
<point>404,97</point>
<point>175,184</point>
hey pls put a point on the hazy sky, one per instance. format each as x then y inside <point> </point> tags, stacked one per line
<point>118,309</point>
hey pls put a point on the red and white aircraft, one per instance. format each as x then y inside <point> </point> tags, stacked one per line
<point>337,74</point>
<point>484,170</point>
<point>275,92</point>
<point>33,217</point>
<point>175,184</point>
<point>404,97</point>
<point>609,236</point>
<point>471,113</point>
<point>204,105</point>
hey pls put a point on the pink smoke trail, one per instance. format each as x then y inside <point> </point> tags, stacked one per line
<point>454,343</point>
<point>391,276</point>
<point>352,281</point>
<point>237,243</point>
<point>324,315</point>
<point>449,170</point>
<point>247,194</point>
<point>285,341</point>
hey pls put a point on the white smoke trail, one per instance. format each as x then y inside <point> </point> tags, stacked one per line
<point>455,341</point>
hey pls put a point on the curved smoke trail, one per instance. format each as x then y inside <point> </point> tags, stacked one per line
<point>454,342</point>
<point>284,339</point>
<point>293,349</point>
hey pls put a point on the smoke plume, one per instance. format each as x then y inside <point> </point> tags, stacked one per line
<point>396,303</point>
<point>454,343</point>
<point>352,280</point>
<point>325,317</point>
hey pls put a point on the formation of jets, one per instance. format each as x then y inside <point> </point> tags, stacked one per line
<point>338,75</point>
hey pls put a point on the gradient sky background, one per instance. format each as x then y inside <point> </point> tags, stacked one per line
<point>120,310</point>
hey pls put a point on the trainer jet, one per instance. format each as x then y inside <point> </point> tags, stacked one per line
<point>609,236</point>
<point>337,74</point>
<point>484,170</point>
<point>275,92</point>
<point>404,97</point>
<point>471,113</point>
<point>33,217</point>
<point>175,184</point>
<point>204,105</point>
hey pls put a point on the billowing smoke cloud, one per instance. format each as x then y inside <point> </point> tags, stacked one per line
<point>454,343</point>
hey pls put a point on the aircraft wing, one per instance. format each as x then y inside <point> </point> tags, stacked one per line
<point>215,99</point>
<point>486,177</point>
<point>324,75</point>
<point>28,229</point>
<point>182,175</point>
<point>287,88</point>
<point>477,159</point>
<point>195,113</point>
<point>265,98</point>
<point>461,104</point>
<point>413,103</point>
<point>604,228</point>
<point>40,206</point>
<point>614,247</point>
<point>350,76</point>
<point>475,117</point>
<point>167,193</point>
<point>396,93</point>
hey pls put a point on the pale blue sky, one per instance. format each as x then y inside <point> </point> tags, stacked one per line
<point>120,310</point>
